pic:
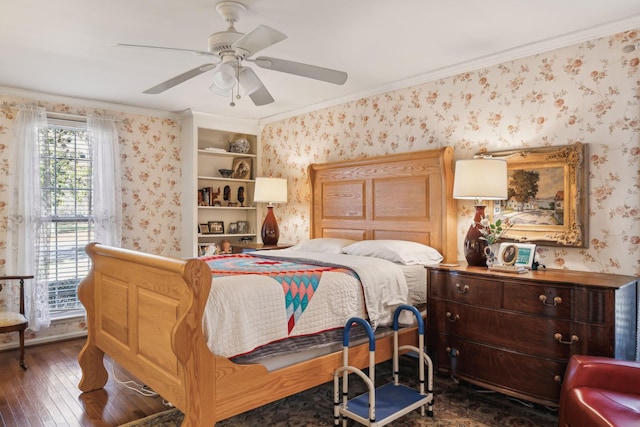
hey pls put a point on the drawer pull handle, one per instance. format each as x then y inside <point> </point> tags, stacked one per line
<point>558,379</point>
<point>452,319</point>
<point>556,301</point>
<point>462,289</point>
<point>558,337</point>
<point>452,352</point>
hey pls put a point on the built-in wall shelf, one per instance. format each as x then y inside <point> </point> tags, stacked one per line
<point>206,193</point>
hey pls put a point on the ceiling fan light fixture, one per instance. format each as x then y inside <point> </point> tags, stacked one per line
<point>224,77</point>
<point>219,91</point>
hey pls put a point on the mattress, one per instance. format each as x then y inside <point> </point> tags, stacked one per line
<point>296,350</point>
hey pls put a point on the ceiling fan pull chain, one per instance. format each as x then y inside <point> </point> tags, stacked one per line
<point>238,79</point>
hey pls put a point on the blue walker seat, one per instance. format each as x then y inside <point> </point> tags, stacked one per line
<point>382,405</point>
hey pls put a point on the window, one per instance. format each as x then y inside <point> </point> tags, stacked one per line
<point>65,179</point>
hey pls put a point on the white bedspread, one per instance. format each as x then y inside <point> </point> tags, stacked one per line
<point>244,312</point>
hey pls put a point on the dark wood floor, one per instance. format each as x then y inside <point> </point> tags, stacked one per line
<point>47,393</point>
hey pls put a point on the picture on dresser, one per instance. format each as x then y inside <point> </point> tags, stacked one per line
<point>546,195</point>
<point>517,254</point>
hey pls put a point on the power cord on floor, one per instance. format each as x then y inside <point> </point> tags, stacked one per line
<point>132,385</point>
<point>142,389</point>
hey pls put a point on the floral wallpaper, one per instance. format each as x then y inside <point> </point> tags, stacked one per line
<point>151,177</point>
<point>587,93</point>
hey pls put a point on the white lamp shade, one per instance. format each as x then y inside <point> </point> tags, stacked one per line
<point>270,190</point>
<point>480,179</point>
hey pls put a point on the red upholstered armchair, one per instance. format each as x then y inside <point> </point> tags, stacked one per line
<point>600,391</point>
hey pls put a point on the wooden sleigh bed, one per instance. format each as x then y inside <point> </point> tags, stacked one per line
<point>145,311</point>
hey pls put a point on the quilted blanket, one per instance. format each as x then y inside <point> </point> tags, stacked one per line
<point>299,281</point>
<point>257,299</point>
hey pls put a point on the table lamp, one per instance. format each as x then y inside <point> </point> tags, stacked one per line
<point>270,190</point>
<point>479,179</point>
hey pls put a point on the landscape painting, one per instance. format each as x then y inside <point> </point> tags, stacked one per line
<point>547,195</point>
<point>535,196</point>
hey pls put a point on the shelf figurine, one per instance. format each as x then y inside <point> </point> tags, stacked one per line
<point>225,247</point>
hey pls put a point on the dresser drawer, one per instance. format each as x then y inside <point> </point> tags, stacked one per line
<point>546,300</point>
<point>516,374</point>
<point>466,289</point>
<point>535,335</point>
<point>556,301</point>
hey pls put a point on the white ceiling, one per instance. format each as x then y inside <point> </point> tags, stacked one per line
<point>65,47</point>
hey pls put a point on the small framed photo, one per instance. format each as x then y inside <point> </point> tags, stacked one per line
<point>243,227</point>
<point>518,254</point>
<point>216,227</point>
<point>241,168</point>
<point>203,228</point>
<point>208,250</point>
<point>233,228</point>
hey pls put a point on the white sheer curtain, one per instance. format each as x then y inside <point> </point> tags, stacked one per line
<point>107,188</point>
<point>25,226</point>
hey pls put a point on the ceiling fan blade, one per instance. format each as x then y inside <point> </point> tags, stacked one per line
<point>254,87</point>
<point>261,97</point>
<point>179,79</point>
<point>305,70</point>
<point>257,39</point>
<point>142,46</point>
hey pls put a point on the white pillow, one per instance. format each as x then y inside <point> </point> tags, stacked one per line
<point>322,244</point>
<point>398,251</point>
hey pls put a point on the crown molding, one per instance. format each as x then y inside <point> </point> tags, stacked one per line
<point>85,103</point>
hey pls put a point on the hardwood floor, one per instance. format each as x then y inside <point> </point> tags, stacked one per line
<point>47,393</point>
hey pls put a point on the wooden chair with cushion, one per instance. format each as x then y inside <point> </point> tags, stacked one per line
<point>15,321</point>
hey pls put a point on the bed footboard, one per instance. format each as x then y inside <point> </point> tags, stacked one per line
<point>145,312</point>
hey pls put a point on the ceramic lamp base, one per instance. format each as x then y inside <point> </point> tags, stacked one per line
<point>473,245</point>
<point>270,231</point>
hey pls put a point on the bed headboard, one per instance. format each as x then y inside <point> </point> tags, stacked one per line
<point>404,196</point>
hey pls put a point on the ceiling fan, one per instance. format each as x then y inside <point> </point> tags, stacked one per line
<point>232,48</point>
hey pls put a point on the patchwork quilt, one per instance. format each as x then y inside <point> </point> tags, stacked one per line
<point>299,281</point>
<point>257,299</point>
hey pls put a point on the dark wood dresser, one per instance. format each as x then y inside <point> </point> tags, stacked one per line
<point>514,333</point>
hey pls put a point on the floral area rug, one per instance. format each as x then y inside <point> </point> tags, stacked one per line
<point>455,405</point>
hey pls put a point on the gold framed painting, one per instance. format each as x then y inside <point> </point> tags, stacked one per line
<point>547,195</point>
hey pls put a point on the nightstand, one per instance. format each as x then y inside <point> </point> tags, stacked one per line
<point>252,247</point>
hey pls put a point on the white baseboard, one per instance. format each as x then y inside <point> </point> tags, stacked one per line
<point>43,340</point>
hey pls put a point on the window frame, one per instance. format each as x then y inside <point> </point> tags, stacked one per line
<point>52,217</point>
